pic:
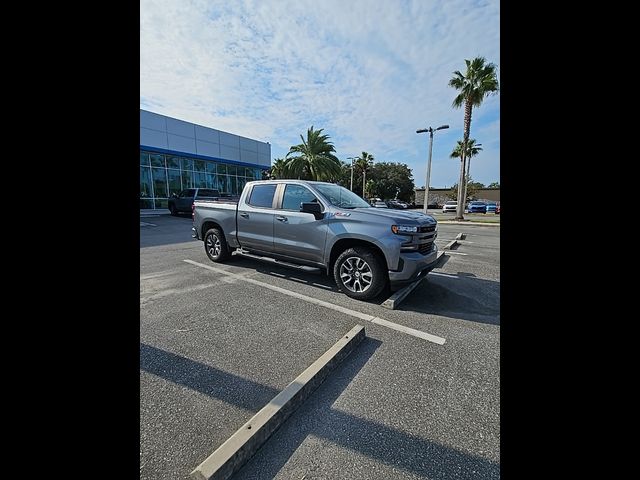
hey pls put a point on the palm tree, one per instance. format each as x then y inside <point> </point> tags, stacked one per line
<point>479,81</point>
<point>278,169</point>
<point>473,149</point>
<point>315,160</point>
<point>364,163</point>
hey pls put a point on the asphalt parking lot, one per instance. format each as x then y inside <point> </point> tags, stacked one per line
<point>216,348</point>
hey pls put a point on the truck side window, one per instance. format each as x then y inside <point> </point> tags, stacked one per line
<point>187,193</point>
<point>294,195</point>
<point>262,195</point>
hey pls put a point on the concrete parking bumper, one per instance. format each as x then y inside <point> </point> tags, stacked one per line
<point>242,445</point>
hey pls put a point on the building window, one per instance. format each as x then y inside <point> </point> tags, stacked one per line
<point>157,160</point>
<point>187,179</point>
<point>187,163</point>
<point>222,169</point>
<point>175,184</point>
<point>173,162</point>
<point>198,165</point>
<point>144,159</point>
<point>146,190</point>
<point>159,182</point>
<point>211,167</point>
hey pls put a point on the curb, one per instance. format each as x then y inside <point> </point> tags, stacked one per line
<point>397,298</point>
<point>450,245</point>
<point>241,446</point>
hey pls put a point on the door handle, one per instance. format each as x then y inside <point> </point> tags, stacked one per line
<point>244,214</point>
<point>281,218</point>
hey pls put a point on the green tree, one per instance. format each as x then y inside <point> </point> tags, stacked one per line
<point>364,163</point>
<point>494,185</point>
<point>479,81</point>
<point>393,179</point>
<point>313,159</point>
<point>472,189</point>
<point>279,169</point>
<point>472,150</point>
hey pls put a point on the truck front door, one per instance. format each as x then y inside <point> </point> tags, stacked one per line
<point>255,218</point>
<point>297,234</point>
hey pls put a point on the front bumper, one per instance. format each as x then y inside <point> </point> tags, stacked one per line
<point>414,265</point>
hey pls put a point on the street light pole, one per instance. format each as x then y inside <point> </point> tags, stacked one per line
<point>426,188</point>
<point>352,159</point>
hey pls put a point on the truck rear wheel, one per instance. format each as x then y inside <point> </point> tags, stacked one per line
<point>215,245</point>
<point>359,273</point>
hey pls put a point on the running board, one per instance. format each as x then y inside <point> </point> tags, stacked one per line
<point>304,268</point>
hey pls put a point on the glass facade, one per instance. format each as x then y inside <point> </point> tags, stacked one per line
<point>162,175</point>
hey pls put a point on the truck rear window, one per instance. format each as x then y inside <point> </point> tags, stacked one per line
<point>207,192</point>
<point>262,195</point>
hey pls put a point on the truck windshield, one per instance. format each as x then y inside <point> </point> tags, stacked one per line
<point>341,197</point>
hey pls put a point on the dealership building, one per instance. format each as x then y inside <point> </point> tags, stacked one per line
<point>176,155</point>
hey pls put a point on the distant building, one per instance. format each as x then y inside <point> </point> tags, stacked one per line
<point>438,196</point>
<point>176,155</point>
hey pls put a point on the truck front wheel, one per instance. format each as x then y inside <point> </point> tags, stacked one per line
<point>359,273</point>
<point>215,245</point>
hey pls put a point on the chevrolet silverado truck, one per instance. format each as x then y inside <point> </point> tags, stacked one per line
<point>318,225</point>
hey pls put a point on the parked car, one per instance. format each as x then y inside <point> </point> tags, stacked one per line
<point>491,207</point>
<point>182,202</point>
<point>380,204</point>
<point>477,207</point>
<point>397,204</point>
<point>303,224</point>
<point>498,209</point>
<point>450,206</point>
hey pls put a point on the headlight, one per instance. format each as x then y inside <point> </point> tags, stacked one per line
<point>400,229</point>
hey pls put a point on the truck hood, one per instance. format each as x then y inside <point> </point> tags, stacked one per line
<point>397,216</point>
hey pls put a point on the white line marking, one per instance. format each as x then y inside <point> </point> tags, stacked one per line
<point>145,224</point>
<point>452,252</point>
<point>444,275</point>
<point>346,311</point>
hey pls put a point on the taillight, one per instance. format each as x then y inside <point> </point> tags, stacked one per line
<point>193,211</point>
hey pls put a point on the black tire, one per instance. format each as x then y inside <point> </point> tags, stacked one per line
<point>366,264</point>
<point>172,209</point>
<point>215,245</point>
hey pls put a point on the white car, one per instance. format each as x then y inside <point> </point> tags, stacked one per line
<point>450,206</point>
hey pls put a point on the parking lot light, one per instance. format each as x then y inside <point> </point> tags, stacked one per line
<point>426,189</point>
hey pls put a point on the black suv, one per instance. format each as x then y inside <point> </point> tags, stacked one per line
<point>183,201</point>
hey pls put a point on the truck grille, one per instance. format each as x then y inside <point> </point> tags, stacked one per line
<point>425,248</point>
<point>429,228</point>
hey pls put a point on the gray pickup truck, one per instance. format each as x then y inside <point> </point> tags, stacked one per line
<point>313,225</point>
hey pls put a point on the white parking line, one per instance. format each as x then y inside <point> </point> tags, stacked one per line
<point>347,311</point>
<point>453,252</point>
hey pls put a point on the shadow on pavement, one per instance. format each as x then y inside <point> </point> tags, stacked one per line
<point>466,297</point>
<point>205,379</point>
<point>378,441</point>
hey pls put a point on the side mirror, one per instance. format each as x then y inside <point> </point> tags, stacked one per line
<point>312,207</point>
<point>174,195</point>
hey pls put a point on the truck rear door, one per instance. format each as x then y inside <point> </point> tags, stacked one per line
<point>256,217</point>
<point>297,234</point>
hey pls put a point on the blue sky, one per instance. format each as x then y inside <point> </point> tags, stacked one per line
<point>369,72</point>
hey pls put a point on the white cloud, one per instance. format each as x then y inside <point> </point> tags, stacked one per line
<point>369,72</point>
